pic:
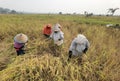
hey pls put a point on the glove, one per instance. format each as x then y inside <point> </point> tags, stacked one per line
<point>85,50</point>
<point>59,39</point>
<point>70,54</point>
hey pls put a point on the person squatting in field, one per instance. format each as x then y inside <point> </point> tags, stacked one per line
<point>47,30</point>
<point>79,46</point>
<point>19,43</point>
<point>57,35</point>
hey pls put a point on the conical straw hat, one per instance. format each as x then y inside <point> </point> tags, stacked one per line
<point>21,38</point>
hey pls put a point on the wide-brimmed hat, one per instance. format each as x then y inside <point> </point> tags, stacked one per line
<point>21,38</point>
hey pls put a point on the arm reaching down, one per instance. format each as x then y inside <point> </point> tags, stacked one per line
<point>70,54</point>
<point>86,47</point>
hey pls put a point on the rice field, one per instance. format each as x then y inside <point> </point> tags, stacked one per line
<point>100,63</point>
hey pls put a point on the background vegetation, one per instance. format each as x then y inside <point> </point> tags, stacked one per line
<point>101,63</point>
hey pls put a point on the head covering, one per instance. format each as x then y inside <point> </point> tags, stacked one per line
<point>58,25</point>
<point>48,25</point>
<point>21,38</point>
<point>56,28</point>
<point>80,38</point>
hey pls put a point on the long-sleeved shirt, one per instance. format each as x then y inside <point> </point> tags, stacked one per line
<point>78,45</point>
<point>17,46</point>
<point>47,30</point>
<point>57,37</point>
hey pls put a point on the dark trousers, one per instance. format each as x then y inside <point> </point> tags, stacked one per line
<point>20,52</point>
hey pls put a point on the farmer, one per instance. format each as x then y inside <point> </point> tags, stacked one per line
<point>47,30</point>
<point>79,46</point>
<point>57,35</point>
<point>19,43</point>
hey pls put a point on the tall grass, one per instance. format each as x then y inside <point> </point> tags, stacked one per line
<point>101,63</point>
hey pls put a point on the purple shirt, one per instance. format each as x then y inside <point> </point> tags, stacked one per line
<point>18,45</point>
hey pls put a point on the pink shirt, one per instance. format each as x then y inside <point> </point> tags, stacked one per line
<point>18,45</point>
